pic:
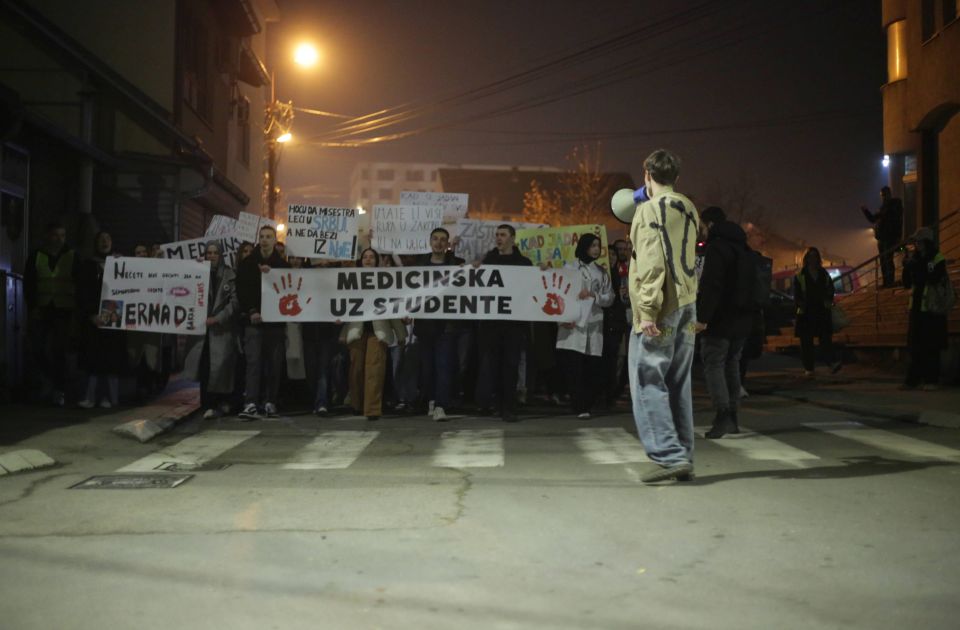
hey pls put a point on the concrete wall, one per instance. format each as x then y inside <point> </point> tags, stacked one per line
<point>950,166</point>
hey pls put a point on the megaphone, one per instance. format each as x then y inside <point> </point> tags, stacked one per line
<point>625,201</point>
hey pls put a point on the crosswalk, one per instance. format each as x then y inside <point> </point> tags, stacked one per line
<point>489,448</point>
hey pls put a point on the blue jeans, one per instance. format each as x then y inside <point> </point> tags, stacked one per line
<point>660,386</point>
<point>438,357</point>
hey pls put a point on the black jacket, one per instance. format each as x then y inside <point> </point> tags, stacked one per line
<point>494,257</point>
<point>813,295</point>
<point>433,328</point>
<point>248,279</point>
<point>887,221</point>
<point>720,281</point>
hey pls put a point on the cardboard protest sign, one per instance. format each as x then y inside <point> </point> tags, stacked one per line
<point>249,224</point>
<point>321,232</point>
<point>558,245</point>
<point>454,204</point>
<point>196,249</point>
<point>475,238</point>
<point>155,295</point>
<point>221,225</point>
<point>365,294</point>
<point>404,229</point>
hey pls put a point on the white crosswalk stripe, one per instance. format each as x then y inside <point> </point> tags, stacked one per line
<point>610,445</point>
<point>331,450</point>
<point>757,446</point>
<point>903,445</point>
<point>478,448</point>
<point>192,452</point>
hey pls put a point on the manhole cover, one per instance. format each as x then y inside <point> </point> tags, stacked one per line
<point>131,482</point>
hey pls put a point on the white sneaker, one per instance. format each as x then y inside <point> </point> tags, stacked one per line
<point>249,412</point>
<point>210,414</point>
<point>85,404</point>
<point>270,410</point>
<point>743,392</point>
<point>430,407</point>
<point>105,404</point>
<point>584,416</point>
<point>439,415</point>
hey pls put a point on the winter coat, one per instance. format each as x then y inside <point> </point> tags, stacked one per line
<point>926,329</point>
<point>813,296</point>
<point>388,331</point>
<point>433,328</point>
<point>514,258</point>
<point>720,281</point>
<point>586,337</point>
<point>662,275</point>
<point>220,339</point>
<point>248,279</point>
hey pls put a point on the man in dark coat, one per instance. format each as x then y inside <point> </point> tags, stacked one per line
<point>888,229</point>
<point>925,271</point>
<point>723,318</point>
<point>501,341</point>
<point>263,344</point>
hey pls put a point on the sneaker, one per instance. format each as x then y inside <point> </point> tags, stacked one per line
<point>250,412</point>
<point>321,411</point>
<point>439,415</point>
<point>106,404</point>
<point>85,404</point>
<point>722,424</point>
<point>270,410</point>
<point>665,473</point>
<point>401,407</point>
<point>556,400</point>
<point>584,416</point>
<point>59,399</point>
<point>209,414</point>
<point>743,392</point>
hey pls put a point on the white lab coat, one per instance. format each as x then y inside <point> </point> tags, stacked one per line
<point>586,337</point>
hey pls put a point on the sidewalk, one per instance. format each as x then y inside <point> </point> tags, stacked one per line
<point>857,388</point>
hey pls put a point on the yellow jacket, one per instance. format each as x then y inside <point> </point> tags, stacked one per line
<point>664,233</point>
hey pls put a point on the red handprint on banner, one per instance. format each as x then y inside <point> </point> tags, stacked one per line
<point>289,304</point>
<point>554,303</point>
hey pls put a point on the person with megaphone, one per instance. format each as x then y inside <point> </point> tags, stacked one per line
<point>663,296</point>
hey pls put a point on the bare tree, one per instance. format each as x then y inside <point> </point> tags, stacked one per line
<point>586,192</point>
<point>541,206</point>
<point>738,198</point>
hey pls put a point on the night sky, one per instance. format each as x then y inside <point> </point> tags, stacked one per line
<point>780,100</point>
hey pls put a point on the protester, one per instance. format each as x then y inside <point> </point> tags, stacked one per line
<point>156,250</point>
<point>320,341</point>
<point>616,324</point>
<point>580,343</point>
<point>813,292</point>
<point>368,342</point>
<point>723,316</point>
<point>925,272</point>
<point>263,343</point>
<point>501,341</point>
<point>437,339</point>
<point>663,293</point>
<point>104,351</point>
<point>212,358</point>
<point>141,251</point>
<point>888,229</point>
<point>246,248</point>
<point>50,285</point>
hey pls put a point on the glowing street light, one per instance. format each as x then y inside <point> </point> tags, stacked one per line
<point>306,55</point>
<point>285,137</point>
<point>885,161</point>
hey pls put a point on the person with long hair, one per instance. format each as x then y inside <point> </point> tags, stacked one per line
<point>368,343</point>
<point>813,292</point>
<point>580,343</point>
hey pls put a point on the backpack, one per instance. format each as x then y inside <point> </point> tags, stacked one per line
<point>754,279</point>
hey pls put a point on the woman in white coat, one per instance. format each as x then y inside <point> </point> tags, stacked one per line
<point>368,343</point>
<point>580,343</point>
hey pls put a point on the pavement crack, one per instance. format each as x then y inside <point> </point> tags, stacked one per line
<point>32,487</point>
<point>460,496</point>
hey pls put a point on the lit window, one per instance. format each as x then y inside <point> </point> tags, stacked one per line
<point>897,51</point>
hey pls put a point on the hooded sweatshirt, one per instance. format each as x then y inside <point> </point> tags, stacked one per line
<point>717,299</point>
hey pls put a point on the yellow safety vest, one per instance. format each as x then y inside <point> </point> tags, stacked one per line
<point>55,286</point>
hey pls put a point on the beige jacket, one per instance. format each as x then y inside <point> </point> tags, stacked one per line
<point>662,276</point>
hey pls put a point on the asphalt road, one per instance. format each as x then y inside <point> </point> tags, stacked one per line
<point>819,519</point>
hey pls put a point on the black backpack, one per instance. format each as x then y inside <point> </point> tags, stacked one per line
<point>754,279</point>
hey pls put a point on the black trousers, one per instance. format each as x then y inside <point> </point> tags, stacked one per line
<point>500,347</point>
<point>808,353</point>
<point>887,269</point>
<point>584,375</point>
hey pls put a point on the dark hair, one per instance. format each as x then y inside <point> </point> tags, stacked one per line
<point>509,228</point>
<point>583,245</point>
<point>713,214</point>
<point>53,226</point>
<point>369,249</point>
<point>616,242</point>
<point>885,189</point>
<point>663,166</point>
<point>813,251</point>
<point>267,227</point>
<point>439,229</point>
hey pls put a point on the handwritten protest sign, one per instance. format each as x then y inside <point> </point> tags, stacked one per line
<point>321,232</point>
<point>404,229</point>
<point>196,249</point>
<point>475,238</point>
<point>364,294</point>
<point>221,225</point>
<point>454,204</point>
<point>558,245</point>
<point>249,224</point>
<point>154,295</point>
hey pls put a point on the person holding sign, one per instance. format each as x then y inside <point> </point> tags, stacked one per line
<point>104,351</point>
<point>580,343</point>
<point>501,341</point>
<point>263,343</point>
<point>368,342</point>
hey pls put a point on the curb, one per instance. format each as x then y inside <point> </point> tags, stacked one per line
<point>20,461</point>
<point>170,410</point>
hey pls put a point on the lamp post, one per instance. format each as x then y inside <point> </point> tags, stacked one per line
<point>279,119</point>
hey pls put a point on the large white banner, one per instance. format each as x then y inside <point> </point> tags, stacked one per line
<point>454,204</point>
<point>155,295</point>
<point>467,292</point>
<point>404,229</point>
<point>321,232</point>
<point>196,249</point>
<point>474,238</point>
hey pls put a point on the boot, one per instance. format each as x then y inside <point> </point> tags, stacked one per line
<point>722,424</point>
<point>734,421</point>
